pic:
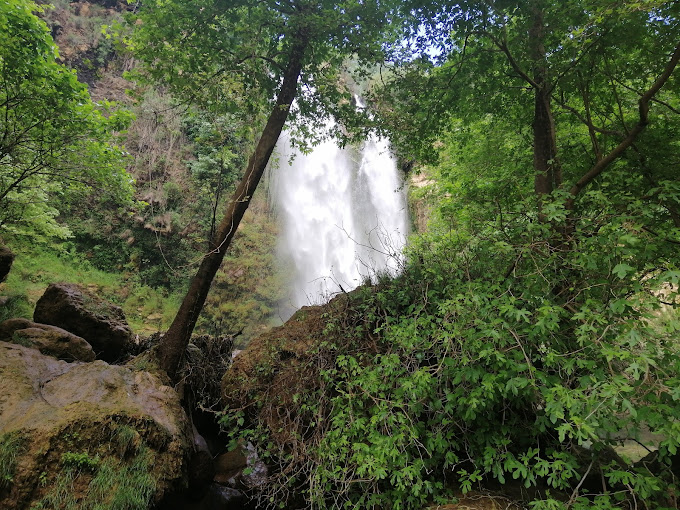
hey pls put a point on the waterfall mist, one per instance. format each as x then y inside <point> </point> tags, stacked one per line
<point>343,217</point>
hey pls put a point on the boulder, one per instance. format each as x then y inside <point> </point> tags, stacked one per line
<point>276,366</point>
<point>100,323</point>
<point>6,259</point>
<point>49,340</point>
<point>107,432</point>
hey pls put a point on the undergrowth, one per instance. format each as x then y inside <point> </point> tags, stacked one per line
<point>11,445</point>
<point>494,357</point>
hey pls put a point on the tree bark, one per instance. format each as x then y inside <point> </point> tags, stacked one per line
<point>174,342</point>
<point>548,176</point>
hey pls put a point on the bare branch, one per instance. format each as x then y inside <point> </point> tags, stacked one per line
<point>585,121</point>
<point>503,46</point>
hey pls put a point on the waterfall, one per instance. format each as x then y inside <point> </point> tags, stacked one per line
<point>343,216</point>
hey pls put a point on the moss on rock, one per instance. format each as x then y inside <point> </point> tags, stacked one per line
<point>95,436</point>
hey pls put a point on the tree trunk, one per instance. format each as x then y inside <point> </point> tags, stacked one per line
<point>174,342</point>
<point>548,175</point>
<point>6,259</point>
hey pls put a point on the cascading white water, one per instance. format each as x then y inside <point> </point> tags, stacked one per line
<point>344,217</point>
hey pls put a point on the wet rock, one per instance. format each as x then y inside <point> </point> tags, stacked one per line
<point>217,497</point>
<point>49,340</point>
<point>230,468</point>
<point>103,416</point>
<point>229,465</point>
<point>100,323</point>
<point>200,444</point>
<point>223,498</point>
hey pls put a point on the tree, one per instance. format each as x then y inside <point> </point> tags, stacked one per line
<point>54,141</point>
<point>582,78</point>
<point>248,57</point>
<point>597,64</point>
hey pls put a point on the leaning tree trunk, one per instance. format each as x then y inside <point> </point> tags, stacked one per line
<point>174,342</point>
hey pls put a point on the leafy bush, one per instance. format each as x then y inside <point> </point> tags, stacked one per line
<point>502,355</point>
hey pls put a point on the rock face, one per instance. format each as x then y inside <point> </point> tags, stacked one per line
<point>6,259</point>
<point>100,323</point>
<point>49,340</point>
<point>87,425</point>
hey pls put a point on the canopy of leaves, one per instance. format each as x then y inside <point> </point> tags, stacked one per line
<point>473,58</point>
<point>230,56</point>
<point>54,141</point>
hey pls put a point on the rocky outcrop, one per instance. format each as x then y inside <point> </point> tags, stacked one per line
<point>107,432</point>
<point>100,323</point>
<point>6,259</point>
<point>49,340</point>
<point>265,378</point>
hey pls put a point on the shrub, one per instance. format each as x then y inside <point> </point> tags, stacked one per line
<point>494,356</point>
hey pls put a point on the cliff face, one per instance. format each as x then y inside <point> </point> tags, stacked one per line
<point>77,29</point>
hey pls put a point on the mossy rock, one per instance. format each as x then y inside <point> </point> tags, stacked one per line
<point>86,435</point>
<point>283,363</point>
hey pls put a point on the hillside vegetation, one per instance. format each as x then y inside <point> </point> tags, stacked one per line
<point>529,347</point>
<point>140,253</point>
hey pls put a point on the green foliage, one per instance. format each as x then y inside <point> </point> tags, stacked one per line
<point>127,439</point>
<point>121,480</point>
<point>55,141</point>
<point>80,461</point>
<point>469,59</point>
<point>11,445</point>
<point>496,356</point>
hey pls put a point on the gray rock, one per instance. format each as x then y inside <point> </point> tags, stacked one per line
<point>49,340</point>
<point>100,323</point>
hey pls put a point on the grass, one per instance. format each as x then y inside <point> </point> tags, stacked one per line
<point>11,445</point>
<point>35,268</point>
<point>112,483</point>
<point>126,438</point>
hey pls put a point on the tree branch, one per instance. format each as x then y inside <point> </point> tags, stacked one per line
<point>503,46</point>
<point>654,99</point>
<point>589,124</point>
<point>643,108</point>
